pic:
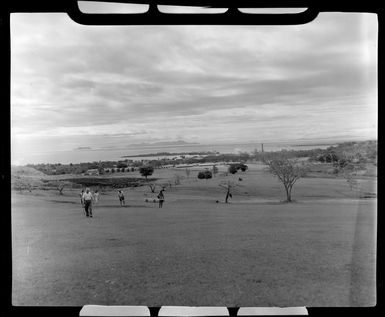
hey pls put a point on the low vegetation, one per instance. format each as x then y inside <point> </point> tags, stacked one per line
<point>121,182</point>
<point>205,174</point>
<point>349,160</point>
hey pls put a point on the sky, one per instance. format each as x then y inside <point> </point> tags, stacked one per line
<point>112,86</point>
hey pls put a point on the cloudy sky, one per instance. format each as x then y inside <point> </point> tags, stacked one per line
<point>91,86</point>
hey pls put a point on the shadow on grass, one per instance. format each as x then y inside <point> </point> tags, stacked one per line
<point>125,206</point>
<point>278,202</point>
<point>64,202</point>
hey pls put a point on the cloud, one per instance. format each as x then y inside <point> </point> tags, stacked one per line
<point>73,84</point>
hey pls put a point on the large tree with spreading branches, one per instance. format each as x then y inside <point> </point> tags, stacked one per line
<point>288,171</point>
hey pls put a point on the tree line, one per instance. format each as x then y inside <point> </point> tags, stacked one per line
<point>367,152</point>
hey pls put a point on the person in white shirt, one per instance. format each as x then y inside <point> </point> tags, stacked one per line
<point>87,200</point>
<point>96,196</point>
<point>81,197</point>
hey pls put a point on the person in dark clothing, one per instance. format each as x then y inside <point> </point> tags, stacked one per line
<point>161,198</point>
<point>121,198</point>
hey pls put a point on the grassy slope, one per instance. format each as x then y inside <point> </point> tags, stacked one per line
<point>255,251</point>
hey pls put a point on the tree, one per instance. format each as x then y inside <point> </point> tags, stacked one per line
<point>59,185</point>
<point>146,171</point>
<point>215,170</point>
<point>152,187</point>
<point>348,164</point>
<point>205,174</point>
<point>233,169</point>
<point>121,164</point>
<point>19,183</point>
<point>242,167</point>
<point>177,179</point>
<point>288,172</point>
<point>228,186</point>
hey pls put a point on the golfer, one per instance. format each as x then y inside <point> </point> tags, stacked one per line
<point>81,197</point>
<point>87,200</point>
<point>96,196</point>
<point>121,197</point>
<point>161,198</point>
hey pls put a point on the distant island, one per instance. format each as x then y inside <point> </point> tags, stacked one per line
<point>82,148</point>
<point>172,154</point>
<point>164,143</point>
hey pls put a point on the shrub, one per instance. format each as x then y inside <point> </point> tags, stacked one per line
<point>146,171</point>
<point>205,174</point>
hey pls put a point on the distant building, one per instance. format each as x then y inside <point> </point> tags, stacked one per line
<point>92,172</point>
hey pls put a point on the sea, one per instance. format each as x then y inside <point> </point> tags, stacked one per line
<point>139,152</point>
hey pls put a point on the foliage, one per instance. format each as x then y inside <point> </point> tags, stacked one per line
<point>368,150</point>
<point>177,179</point>
<point>349,164</point>
<point>215,170</point>
<point>113,182</point>
<point>121,164</point>
<point>21,183</point>
<point>234,168</point>
<point>205,174</point>
<point>288,172</point>
<point>146,171</point>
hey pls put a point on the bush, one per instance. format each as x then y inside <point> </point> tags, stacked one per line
<point>146,171</point>
<point>121,164</point>
<point>205,174</point>
<point>233,169</point>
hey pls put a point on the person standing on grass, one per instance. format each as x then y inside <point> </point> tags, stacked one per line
<point>161,198</point>
<point>81,197</point>
<point>87,200</point>
<point>96,196</point>
<point>121,198</point>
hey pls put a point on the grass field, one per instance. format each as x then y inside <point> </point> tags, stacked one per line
<point>254,251</point>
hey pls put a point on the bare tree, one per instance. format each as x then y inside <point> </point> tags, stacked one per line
<point>288,172</point>
<point>215,170</point>
<point>21,183</point>
<point>177,179</point>
<point>349,163</point>
<point>152,187</point>
<point>60,186</point>
<point>18,184</point>
<point>228,186</point>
